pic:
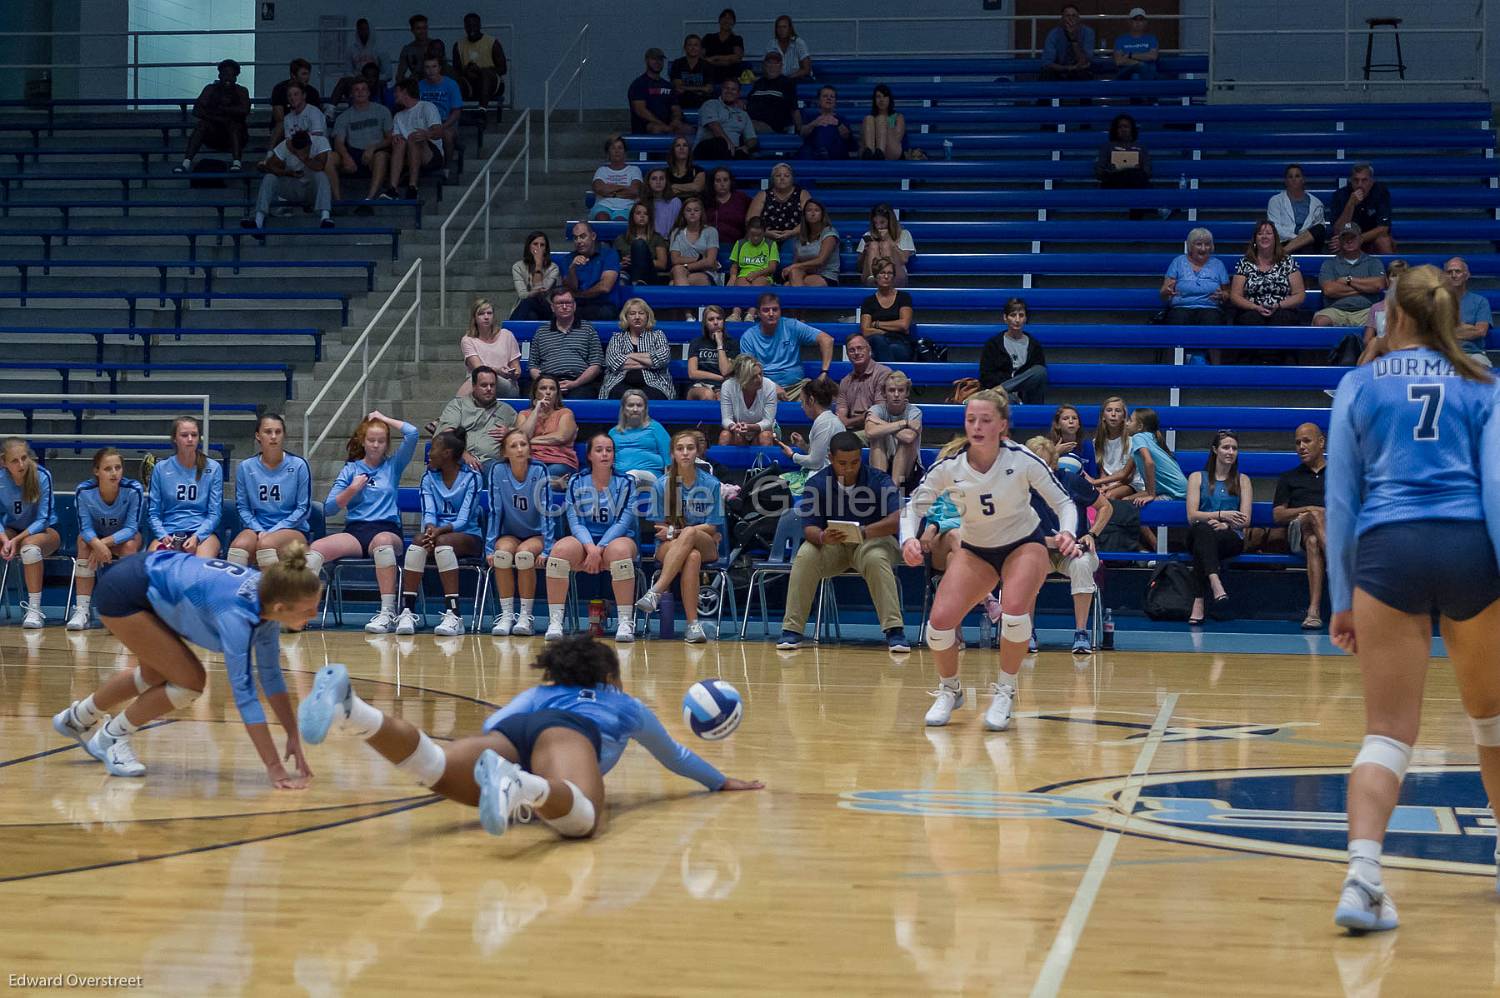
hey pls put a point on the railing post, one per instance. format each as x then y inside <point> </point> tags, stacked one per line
<point>205,439</point>
<point>417,324</point>
<point>364,397</point>
<point>547,127</point>
<point>487,175</point>
<point>443,274</point>
<point>135,67</point>
<point>526,167</point>
<point>584,52</point>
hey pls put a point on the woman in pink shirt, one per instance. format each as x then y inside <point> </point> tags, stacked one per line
<point>486,346</point>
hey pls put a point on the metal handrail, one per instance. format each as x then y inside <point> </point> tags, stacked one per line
<point>202,400</point>
<point>362,344</point>
<point>445,255</point>
<point>547,105</point>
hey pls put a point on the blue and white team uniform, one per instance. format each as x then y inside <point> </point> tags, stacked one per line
<point>114,522</point>
<point>32,517</point>
<point>455,507</point>
<point>702,502</point>
<point>375,509</point>
<point>599,516</point>
<point>1413,493</point>
<point>608,717</point>
<point>184,502</point>
<point>271,499</point>
<point>519,509</point>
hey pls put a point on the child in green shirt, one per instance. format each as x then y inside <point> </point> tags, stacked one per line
<point>754,259</point>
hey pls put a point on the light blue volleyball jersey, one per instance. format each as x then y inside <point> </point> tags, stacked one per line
<point>377,501</point>
<point>116,522</point>
<point>598,516</point>
<point>454,506</point>
<point>520,509</point>
<point>701,502</point>
<point>278,498</point>
<point>184,502</point>
<point>32,516</point>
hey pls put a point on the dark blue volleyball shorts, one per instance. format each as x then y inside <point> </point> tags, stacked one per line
<point>365,531</point>
<point>123,588</point>
<point>1429,566</point>
<point>523,730</point>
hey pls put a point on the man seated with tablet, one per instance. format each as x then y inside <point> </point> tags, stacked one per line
<point>850,516</point>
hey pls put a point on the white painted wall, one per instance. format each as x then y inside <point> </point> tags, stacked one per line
<point>191,15</point>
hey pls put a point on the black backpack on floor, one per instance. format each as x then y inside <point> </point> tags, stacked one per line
<point>1169,594</point>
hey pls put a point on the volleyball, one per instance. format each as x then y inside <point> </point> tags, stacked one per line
<point>712,708</point>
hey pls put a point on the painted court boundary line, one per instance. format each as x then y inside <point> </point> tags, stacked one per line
<point>1055,968</point>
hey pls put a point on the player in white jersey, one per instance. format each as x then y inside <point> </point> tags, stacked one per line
<point>990,481</point>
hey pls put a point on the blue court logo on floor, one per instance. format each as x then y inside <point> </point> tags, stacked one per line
<point>1442,823</point>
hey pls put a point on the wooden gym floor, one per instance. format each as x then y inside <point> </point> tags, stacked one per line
<point>884,858</point>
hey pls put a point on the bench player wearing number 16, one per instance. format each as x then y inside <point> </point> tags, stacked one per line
<point>1413,529</point>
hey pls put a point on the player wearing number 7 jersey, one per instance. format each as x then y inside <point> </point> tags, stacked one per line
<point>1413,529</point>
<point>155,604</point>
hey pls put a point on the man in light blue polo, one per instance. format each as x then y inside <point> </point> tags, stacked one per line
<point>777,343</point>
<point>1136,53</point>
<point>1474,315</point>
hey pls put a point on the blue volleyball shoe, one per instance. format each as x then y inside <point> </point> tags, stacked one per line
<point>499,792</point>
<point>328,702</point>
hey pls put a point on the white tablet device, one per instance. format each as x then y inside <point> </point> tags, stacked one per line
<point>853,532</point>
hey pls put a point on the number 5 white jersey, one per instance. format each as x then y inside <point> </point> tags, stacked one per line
<point>996,504</point>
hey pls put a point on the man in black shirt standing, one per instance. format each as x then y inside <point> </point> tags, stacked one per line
<point>1299,507</point>
<point>724,50</point>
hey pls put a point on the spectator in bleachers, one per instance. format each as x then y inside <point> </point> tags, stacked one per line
<point>815,258</point>
<point>1112,450</point>
<point>684,177</point>
<point>885,317</point>
<point>747,405</point>
<point>862,387</point>
<point>662,203</point>
<point>1157,473</point>
<point>109,526</point>
<point>691,76</point>
<point>481,416</point>
<point>776,341</point>
<point>1350,280</point>
<point>724,127</point>
<point>1013,361</point>
<point>753,260</point>
<point>518,526</point>
<point>642,447</point>
<point>443,94</point>
<point>1081,568</point>
<point>367,492</point>
<point>416,142</point>
<point>637,356</point>
<point>772,100</point>
<point>687,505</point>
<point>1375,322</point>
<point>893,427</point>
<point>485,345</point>
<point>882,135</point>
<point>1136,53</point>
<point>567,348</point>
<point>551,429</point>
<point>643,253</point>
<point>885,238</point>
<point>617,184</point>
<point>1067,53</point>
<point>827,135</point>
<point>1072,447</point>
<point>186,495</point>
<point>362,51</point>
<point>1123,161</point>
<point>710,357</point>
<point>726,208</point>
<point>448,530</point>
<point>534,277</point>
<point>817,398</point>
<point>795,59</point>
<point>1218,510</point>
<point>654,109</point>
<point>415,52</point>
<point>1368,205</point>
<point>780,205</point>
<point>694,247</point>
<point>294,172</point>
<point>222,110</point>
<point>592,275</point>
<point>1474,315</point>
<point>1299,507</point>
<point>1266,289</point>
<point>1297,215</point>
<point>30,522</point>
<point>847,490</point>
<point>381,92</point>
<point>1196,284</point>
<point>299,114</point>
<point>362,140</point>
<point>272,495</point>
<point>724,50</point>
<point>281,97</point>
<point>479,63</point>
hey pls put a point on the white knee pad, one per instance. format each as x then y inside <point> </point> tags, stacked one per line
<point>579,821</point>
<point>83,569</point>
<point>622,570</point>
<point>426,764</point>
<point>416,558</point>
<point>385,556</point>
<point>525,561</point>
<point>1486,730</point>
<point>502,559</point>
<point>238,556</point>
<point>180,696</point>
<point>941,639</point>
<point>266,557</point>
<point>1015,627</point>
<point>1081,574</point>
<point>447,560</point>
<point>139,678</point>
<point>314,562</point>
<point>558,568</point>
<point>1378,750</point>
<point>31,554</point>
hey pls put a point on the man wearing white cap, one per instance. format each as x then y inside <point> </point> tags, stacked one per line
<point>1136,53</point>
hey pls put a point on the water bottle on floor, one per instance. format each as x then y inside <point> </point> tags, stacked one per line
<point>666,610</point>
<point>1108,642</point>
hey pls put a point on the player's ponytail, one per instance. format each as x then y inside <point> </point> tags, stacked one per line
<point>289,580</point>
<point>1426,299</point>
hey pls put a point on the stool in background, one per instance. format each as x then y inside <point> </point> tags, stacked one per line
<point>1399,66</point>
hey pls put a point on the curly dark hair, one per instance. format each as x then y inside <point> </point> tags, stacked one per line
<point>579,661</point>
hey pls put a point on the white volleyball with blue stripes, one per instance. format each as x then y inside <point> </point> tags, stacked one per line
<point>713,709</point>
